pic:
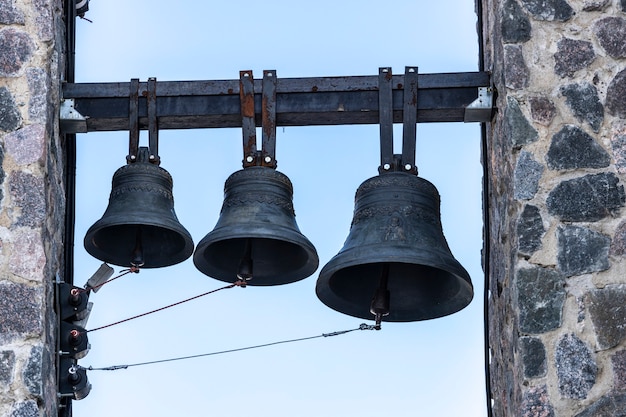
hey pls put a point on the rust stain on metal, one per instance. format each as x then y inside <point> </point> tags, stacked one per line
<point>314,89</point>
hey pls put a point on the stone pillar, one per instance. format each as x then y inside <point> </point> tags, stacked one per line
<point>32,204</point>
<point>557,165</point>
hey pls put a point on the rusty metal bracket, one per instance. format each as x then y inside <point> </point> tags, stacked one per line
<point>481,109</point>
<point>268,117</point>
<point>248,126</point>
<point>153,127</point>
<point>385,116</point>
<point>133,119</point>
<point>409,121</point>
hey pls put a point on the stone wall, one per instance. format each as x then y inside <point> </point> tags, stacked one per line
<point>31,204</point>
<point>557,164</point>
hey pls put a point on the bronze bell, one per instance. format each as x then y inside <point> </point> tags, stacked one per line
<point>256,237</point>
<point>139,227</point>
<point>395,264</point>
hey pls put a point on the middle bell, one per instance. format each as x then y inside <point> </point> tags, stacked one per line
<point>256,237</point>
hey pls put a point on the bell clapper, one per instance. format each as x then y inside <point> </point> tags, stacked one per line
<point>137,253</point>
<point>245,268</point>
<point>380,303</point>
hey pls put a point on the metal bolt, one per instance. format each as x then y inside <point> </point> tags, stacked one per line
<point>133,157</point>
<point>270,74</point>
<point>386,167</point>
<point>407,167</point>
<point>385,69</point>
<point>249,158</point>
<point>245,74</point>
<point>268,159</point>
<point>152,157</point>
<point>411,69</point>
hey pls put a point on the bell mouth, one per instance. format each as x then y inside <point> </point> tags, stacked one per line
<point>417,292</point>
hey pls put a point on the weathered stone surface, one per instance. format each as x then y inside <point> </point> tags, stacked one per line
<point>618,146</point>
<point>541,295</point>
<point>533,357</point>
<point>518,129</point>
<point>623,3</point>
<point>584,102</point>
<point>9,14</point>
<point>572,55</point>
<point>587,199</point>
<point>616,95</point>
<point>16,48</point>
<point>7,365</point>
<point>558,10</point>
<point>618,243</point>
<point>515,70</point>
<point>530,230</point>
<point>20,311</point>
<point>536,403</point>
<point>527,175</point>
<point>611,405</point>
<point>25,409</point>
<point>26,145</point>
<point>27,194</point>
<point>606,309</point>
<point>542,110</point>
<point>572,148</point>
<point>582,250</point>
<point>514,25</point>
<point>38,81</point>
<point>36,371</point>
<point>576,368</point>
<point>10,117</point>
<point>611,34</point>
<point>27,258</point>
<point>595,5</point>
<point>44,20</point>
<point>618,360</point>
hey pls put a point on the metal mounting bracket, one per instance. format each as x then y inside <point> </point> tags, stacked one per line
<point>70,118</point>
<point>481,109</point>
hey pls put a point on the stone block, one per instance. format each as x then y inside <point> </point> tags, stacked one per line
<point>9,14</point>
<point>618,360</point>
<point>26,145</point>
<point>607,313</point>
<point>611,34</point>
<point>36,371</point>
<point>533,357</point>
<point>10,117</point>
<point>38,82</point>
<point>616,96</point>
<point>518,129</point>
<point>587,199</point>
<point>558,10</point>
<point>514,24</point>
<point>27,258</point>
<point>20,311</point>
<point>581,250</point>
<point>16,49</point>
<point>526,177</point>
<point>595,5</point>
<point>541,295</point>
<point>542,110</point>
<point>530,230</point>
<point>584,102</point>
<point>7,365</point>
<point>27,194</point>
<point>25,409</point>
<point>515,70</point>
<point>618,243</point>
<point>610,405</point>
<point>572,55</point>
<point>618,146</point>
<point>572,148</point>
<point>576,367</point>
<point>536,403</point>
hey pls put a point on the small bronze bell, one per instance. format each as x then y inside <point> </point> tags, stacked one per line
<point>139,227</point>
<point>395,264</point>
<point>256,237</point>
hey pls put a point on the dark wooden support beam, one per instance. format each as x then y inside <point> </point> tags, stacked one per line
<point>447,97</point>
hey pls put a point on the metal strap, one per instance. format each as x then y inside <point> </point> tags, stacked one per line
<point>409,122</point>
<point>268,117</point>
<point>385,111</point>
<point>153,128</point>
<point>246,96</point>
<point>133,118</point>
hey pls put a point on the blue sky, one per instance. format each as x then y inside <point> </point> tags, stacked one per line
<point>430,368</point>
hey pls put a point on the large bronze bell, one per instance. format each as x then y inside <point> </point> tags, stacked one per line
<point>395,264</point>
<point>139,226</point>
<point>256,237</point>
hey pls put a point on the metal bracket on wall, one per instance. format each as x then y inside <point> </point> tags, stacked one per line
<point>446,97</point>
<point>481,109</point>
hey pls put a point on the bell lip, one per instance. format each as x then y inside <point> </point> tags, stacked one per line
<point>328,297</point>
<point>181,256</point>
<point>290,236</point>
